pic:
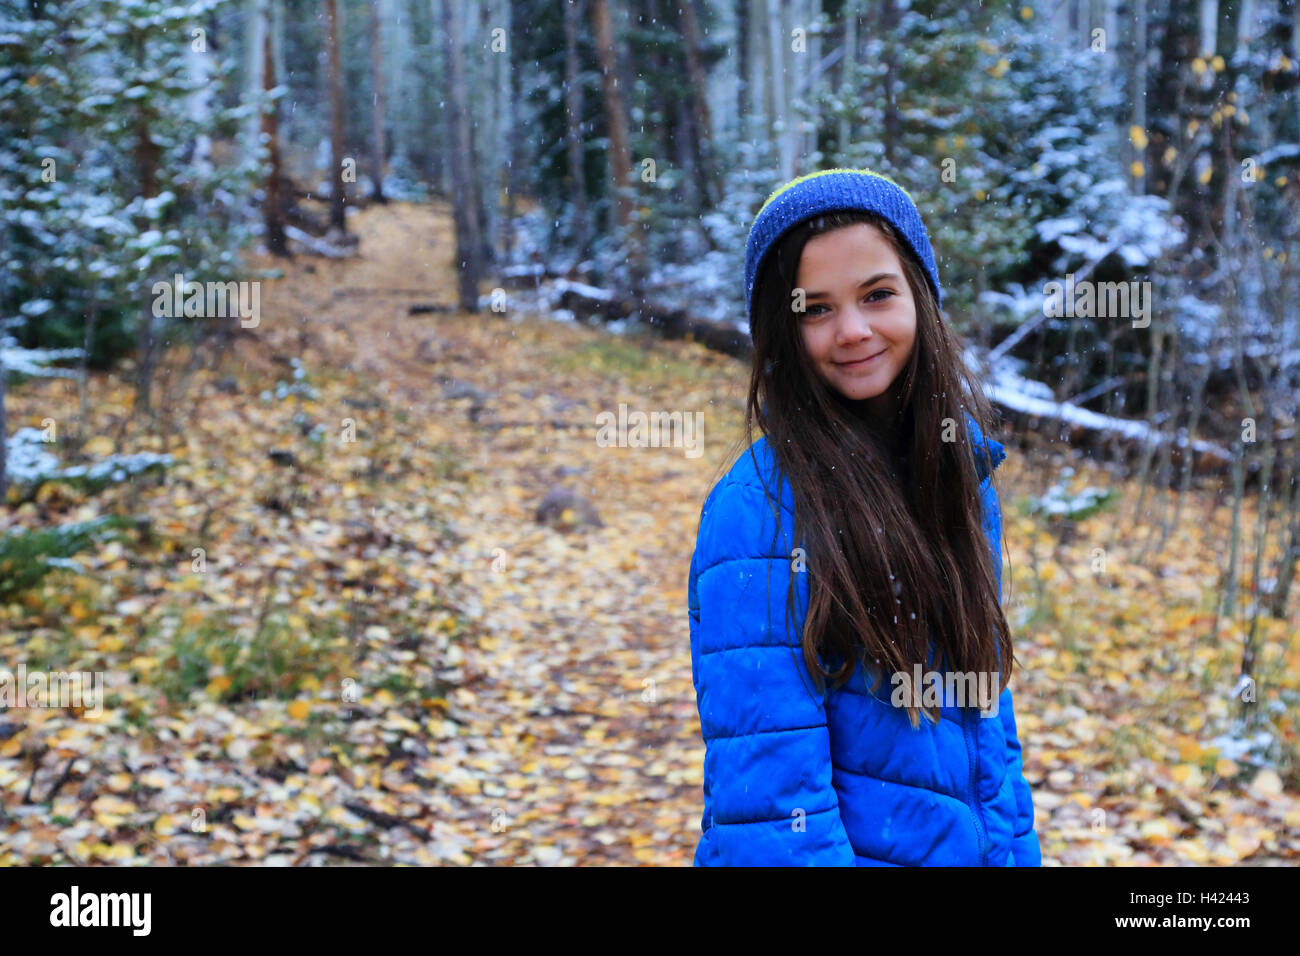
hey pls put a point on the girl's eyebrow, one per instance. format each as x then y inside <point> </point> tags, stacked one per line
<point>867,281</point>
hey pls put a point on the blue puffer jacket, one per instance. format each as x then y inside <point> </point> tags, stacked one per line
<point>840,779</point>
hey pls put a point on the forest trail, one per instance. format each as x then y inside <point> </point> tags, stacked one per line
<point>580,739</point>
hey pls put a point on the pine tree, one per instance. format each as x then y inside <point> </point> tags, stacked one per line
<point>105,189</point>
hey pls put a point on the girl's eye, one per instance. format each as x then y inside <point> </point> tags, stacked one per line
<point>812,311</point>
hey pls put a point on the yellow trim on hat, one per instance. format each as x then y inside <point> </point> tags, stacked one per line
<point>824,172</point>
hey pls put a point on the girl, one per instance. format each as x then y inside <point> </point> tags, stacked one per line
<point>864,526</point>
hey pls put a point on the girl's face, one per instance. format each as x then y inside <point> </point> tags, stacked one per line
<point>860,319</point>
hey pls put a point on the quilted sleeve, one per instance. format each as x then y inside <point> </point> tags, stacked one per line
<point>767,765</point>
<point>1024,842</point>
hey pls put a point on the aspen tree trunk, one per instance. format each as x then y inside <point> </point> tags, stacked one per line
<point>483,97</point>
<point>780,111</point>
<point>478,77</point>
<point>848,75</point>
<point>465,205</point>
<point>377,117</point>
<point>440,132</point>
<point>811,71</point>
<point>253,61</point>
<point>277,30</point>
<point>510,86</point>
<point>400,79</point>
<point>199,65</point>
<point>147,158</point>
<point>759,130</point>
<point>744,102</point>
<point>334,78</point>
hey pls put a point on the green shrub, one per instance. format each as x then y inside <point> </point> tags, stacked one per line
<point>276,661</point>
<point>27,556</point>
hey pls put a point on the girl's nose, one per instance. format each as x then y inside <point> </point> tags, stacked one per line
<point>854,325</point>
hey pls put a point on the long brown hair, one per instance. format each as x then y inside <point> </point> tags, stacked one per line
<point>888,512</point>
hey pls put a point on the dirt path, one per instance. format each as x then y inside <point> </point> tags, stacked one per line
<point>582,739</point>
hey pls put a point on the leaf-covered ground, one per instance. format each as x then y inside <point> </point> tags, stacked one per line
<point>352,508</point>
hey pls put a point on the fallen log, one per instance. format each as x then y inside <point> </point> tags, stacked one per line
<point>1081,428</point>
<point>588,302</point>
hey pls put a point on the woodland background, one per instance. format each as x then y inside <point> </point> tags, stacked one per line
<point>360,582</point>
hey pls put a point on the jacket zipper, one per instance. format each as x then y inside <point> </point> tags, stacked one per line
<point>973,804</point>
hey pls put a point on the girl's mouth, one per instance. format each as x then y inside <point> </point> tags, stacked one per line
<point>862,363</point>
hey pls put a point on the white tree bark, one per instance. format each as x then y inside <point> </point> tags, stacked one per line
<point>759,127</point>
<point>811,63</point>
<point>848,74</point>
<point>778,75</point>
<point>1209,25</point>
<point>255,37</point>
<point>199,102</point>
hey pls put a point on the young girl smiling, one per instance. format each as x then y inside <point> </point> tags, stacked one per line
<point>864,527</point>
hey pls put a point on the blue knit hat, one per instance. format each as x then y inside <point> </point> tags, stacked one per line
<point>826,191</point>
